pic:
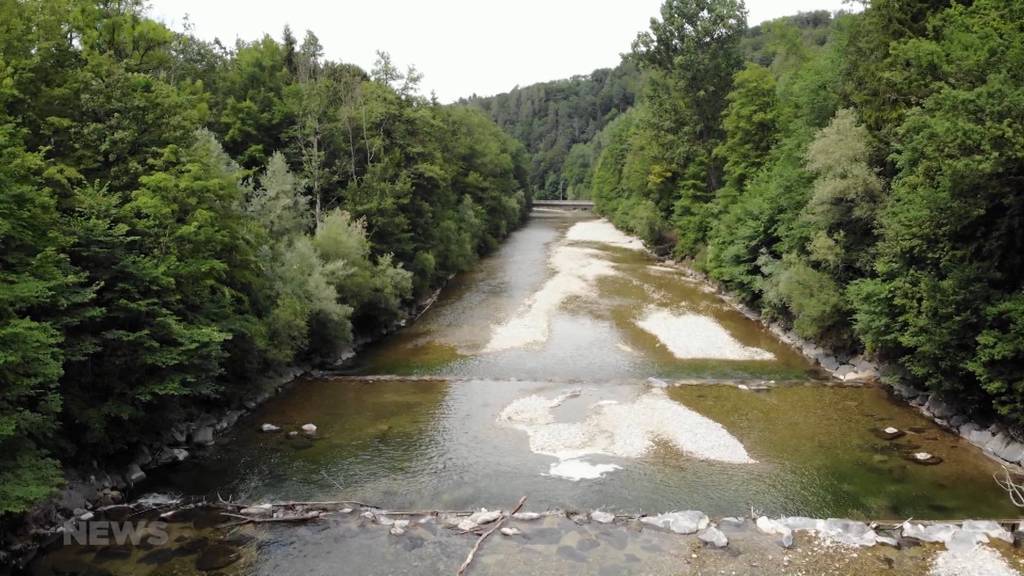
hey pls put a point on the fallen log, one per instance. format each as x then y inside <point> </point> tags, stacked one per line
<point>480,540</point>
<point>254,520</point>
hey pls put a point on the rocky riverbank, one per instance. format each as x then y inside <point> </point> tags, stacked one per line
<point>223,537</point>
<point>1000,442</point>
<point>105,484</point>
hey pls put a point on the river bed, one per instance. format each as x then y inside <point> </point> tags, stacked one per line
<point>572,368</point>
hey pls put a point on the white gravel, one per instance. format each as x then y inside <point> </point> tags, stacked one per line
<point>692,336</point>
<point>577,470</point>
<point>976,561</point>
<point>604,232</point>
<point>624,430</point>
<point>576,270</point>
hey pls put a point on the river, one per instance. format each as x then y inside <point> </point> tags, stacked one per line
<point>543,373</point>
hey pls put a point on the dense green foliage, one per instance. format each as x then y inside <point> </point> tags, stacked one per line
<point>859,177</point>
<point>558,123</point>
<point>177,217</point>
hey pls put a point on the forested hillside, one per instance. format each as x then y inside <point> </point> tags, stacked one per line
<point>858,178</point>
<point>558,123</point>
<point>178,216</point>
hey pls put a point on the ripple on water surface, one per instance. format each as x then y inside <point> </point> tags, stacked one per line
<point>438,444</point>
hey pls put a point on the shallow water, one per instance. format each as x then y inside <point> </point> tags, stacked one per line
<point>428,436</point>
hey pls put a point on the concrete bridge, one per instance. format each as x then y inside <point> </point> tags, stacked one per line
<point>564,204</point>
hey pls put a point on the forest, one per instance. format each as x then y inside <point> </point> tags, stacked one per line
<point>178,217</point>
<point>857,177</point>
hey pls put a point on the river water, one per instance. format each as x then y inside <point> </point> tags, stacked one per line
<point>543,373</point>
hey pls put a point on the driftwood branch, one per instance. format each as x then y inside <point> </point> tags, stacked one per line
<point>480,540</point>
<point>253,520</point>
<point>1014,489</point>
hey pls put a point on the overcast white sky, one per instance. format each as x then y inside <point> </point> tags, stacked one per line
<point>461,46</point>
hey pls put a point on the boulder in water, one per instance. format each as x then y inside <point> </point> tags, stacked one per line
<point>485,516</point>
<point>525,516</point>
<point>685,522</point>
<point>309,428</point>
<point>890,433</point>
<point>925,458</point>
<point>712,536</point>
<point>602,517</point>
<point>270,428</point>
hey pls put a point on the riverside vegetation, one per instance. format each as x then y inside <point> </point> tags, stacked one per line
<point>178,216</point>
<point>856,176</point>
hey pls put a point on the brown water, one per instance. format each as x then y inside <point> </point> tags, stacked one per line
<point>428,436</point>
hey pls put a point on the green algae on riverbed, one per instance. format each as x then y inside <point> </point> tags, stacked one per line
<point>434,442</point>
<point>437,444</point>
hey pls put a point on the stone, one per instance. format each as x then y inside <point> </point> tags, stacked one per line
<point>510,531</point>
<point>843,370</point>
<point>143,457</point>
<point>976,435</point>
<point>134,474</point>
<point>602,517</point>
<point>203,436</point>
<point>270,428</point>
<point>848,532</point>
<point>958,421</point>
<point>925,458</point>
<point>466,525</point>
<point>485,516</point>
<point>685,522</point>
<point>1011,450</point>
<point>170,455</point>
<point>570,553</point>
<point>857,376</point>
<point>525,516</point>
<point>890,433</point>
<point>309,428</point>
<point>998,443</point>
<point>988,528</point>
<point>828,362</point>
<point>398,527</point>
<point>178,434</point>
<point>787,540</point>
<point>229,420</point>
<point>904,391</point>
<point>940,533</point>
<point>938,408</point>
<point>803,523</point>
<point>712,536</point>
